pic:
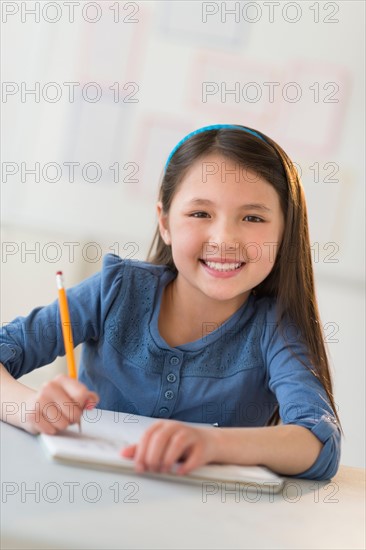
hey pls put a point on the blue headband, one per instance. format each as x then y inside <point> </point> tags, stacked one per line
<point>213,127</point>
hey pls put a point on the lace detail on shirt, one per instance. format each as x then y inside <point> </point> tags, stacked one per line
<point>126,330</point>
<point>213,360</point>
<point>128,318</point>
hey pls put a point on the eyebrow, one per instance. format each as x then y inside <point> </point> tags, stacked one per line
<point>251,206</point>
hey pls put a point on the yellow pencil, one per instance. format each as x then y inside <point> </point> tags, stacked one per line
<point>66,328</point>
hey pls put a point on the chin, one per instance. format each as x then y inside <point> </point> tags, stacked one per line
<point>222,296</point>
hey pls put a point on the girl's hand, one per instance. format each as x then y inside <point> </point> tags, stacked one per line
<point>59,403</point>
<point>167,441</point>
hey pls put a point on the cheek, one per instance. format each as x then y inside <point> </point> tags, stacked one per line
<point>185,240</point>
<point>253,252</point>
<point>260,254</point>
<point>184,232</point>
<point>262,248</point>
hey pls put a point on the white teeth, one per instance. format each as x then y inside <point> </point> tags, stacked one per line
<point>223,267</point>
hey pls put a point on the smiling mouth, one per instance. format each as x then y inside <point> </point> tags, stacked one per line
<point>227,266</point>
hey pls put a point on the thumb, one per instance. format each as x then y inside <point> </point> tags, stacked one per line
<point>91,400</point>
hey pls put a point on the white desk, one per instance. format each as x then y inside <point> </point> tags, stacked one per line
<point>139,512</point>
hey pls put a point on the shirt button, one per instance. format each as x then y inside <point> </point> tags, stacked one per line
<point>163,411</point>
<point>169,394</point>
<point>171,377</point>
<point>174,360</point>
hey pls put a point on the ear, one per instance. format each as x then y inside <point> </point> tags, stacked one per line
<point>163,223</point>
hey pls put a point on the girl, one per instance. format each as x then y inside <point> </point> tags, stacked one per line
<point>219,325</point>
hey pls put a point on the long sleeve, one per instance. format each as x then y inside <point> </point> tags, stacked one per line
<point>301,396</point>
<point>36,340</point>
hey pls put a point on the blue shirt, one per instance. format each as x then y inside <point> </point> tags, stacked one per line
<point>234,375</point>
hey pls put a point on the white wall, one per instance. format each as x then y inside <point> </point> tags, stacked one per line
<point>164,58</point>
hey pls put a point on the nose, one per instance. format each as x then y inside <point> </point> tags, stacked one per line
<point>225,239</point>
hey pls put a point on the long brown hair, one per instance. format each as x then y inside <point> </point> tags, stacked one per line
<point>291,280</point>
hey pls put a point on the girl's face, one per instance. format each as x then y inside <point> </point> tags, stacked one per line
<point>224,226</point>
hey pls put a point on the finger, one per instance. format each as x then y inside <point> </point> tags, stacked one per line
<point>178,445</point>
<point>53,406</point>
<point>158,443</point>
<point>78,392</point>
<point>140,457</point>
<point>193,461</point>
<point>78,397</point>
<point>129,451</point>
<point>58,407</point>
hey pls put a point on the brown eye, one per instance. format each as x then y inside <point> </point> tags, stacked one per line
<point>194,214</point>
<point>254,219</point>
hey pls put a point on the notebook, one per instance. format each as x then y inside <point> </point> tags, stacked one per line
<point>104,433</point>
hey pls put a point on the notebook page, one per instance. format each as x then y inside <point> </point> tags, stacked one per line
<point>100,444</point>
